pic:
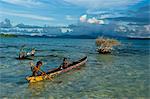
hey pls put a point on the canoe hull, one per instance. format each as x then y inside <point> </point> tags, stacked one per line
<point>40,78</point>
<point>25,58</point>
<point>50,76</point>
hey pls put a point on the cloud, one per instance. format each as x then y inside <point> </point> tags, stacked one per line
<point>98,4</point>
<point>83,18</point>
<point>27,3</point>
<point>70,18</point>
<point>92,20</point>
<point>131,19</point>
<point>95,21</point>
<point>147,28</point>
<point>26,15</point>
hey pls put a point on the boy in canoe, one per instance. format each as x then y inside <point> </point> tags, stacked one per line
<point>36,71</point>
<point>65,63</point>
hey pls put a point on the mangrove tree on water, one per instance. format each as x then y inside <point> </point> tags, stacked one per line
<point>105,45</point>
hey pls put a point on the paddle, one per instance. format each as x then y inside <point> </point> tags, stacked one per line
<point>31,64</point>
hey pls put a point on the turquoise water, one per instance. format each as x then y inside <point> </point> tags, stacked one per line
<point>121,74</point>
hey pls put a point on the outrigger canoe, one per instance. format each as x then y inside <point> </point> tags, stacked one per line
<point>50,75</point>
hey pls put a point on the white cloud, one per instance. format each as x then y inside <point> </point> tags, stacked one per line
<point>92,20</point>
<point>95,21</point>
<point>26,15</point>
<point>69,17</point>
<point>147,28</point>
<point>65,30</point>
<point>96,4</point>
<point>27,3</point>
<point>105,16</point>
<point>121,29</point>
<point>83,18</point>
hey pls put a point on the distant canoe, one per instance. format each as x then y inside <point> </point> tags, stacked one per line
<point>50,75</point>
<point>25,58</point>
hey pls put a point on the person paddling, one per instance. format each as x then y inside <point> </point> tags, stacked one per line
<point>31,53</point>
<point>36,71</point>
<point>22,53</point>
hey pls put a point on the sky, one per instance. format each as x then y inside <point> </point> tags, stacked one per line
<point>127,15</point>
<point>64,12</point>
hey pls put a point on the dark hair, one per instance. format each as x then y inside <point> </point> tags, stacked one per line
<point>39,62</point>
<point>64,58</point>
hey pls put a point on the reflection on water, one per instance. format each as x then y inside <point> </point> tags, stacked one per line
<point>121,74</point>
<point>106,58</point>
<point>37,87</point>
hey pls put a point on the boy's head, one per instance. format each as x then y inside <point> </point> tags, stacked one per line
<point>39,63</point>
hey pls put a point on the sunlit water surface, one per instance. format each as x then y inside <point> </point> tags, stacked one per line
<point>123,73</point>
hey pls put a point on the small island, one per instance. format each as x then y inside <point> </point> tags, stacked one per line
<point>105,45</point>
<point>8,35</point>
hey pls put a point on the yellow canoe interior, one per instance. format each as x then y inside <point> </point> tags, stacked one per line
<point>32,79</point>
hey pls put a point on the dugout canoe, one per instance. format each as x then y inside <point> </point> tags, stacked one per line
<point>25,58</point>
<point>53,73</point>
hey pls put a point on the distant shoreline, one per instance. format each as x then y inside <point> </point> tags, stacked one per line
<point>69,36</point>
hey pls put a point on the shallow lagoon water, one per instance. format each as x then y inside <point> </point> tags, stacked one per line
<point>121,74</point>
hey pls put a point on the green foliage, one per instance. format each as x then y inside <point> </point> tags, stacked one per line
<point>8,35</point>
